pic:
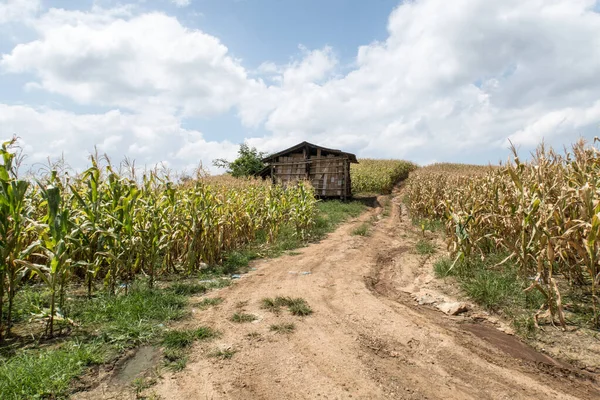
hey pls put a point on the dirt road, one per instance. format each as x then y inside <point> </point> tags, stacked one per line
<point>368,338</point>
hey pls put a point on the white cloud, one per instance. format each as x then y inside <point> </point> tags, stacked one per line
<point>181,3</point>
<point>114,58</point>
<point>449,80</point>
<point>17,10</point>
<point>314,67</point>
<point>149,138</point>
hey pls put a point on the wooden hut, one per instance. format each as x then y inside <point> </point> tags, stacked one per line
<point>328,170</point>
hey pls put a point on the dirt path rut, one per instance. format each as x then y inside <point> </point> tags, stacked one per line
<point>368,338</point>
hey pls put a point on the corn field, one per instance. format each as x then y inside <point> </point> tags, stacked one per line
<point>109,225</point>
<point>378,176</point>
<point>543,213</point>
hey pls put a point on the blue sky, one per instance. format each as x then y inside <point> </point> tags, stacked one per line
<point>182,82</point>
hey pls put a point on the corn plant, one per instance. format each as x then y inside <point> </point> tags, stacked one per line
<point>88,215</point>
<point>13,223</point>
<point>378,176</point>
<point>105,225</point>
<point>545,213</point>
<point>55,245</point>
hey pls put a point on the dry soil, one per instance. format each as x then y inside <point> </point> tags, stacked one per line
<point>375,333</point>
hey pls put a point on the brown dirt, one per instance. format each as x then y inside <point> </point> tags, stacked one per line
<point>367,339</point>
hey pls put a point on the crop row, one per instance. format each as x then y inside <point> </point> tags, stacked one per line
<point>112,226</point>
<point>378,176</point>
<point>544,214</point>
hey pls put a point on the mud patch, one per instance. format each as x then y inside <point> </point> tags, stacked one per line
<point>378,280</point>
<point>144,359</point>
<point>511,345</point>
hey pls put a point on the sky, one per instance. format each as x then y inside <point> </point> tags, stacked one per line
<point>183,82</point>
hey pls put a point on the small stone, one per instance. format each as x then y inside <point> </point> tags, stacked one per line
<point>453,308</point>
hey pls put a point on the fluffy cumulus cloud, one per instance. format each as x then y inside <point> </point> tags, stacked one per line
<point>451,81</point>
<point>149,138</point>
<point>17,10</point>
<point>114,58</point>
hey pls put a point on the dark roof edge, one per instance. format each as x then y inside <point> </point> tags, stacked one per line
<point>351,156</point>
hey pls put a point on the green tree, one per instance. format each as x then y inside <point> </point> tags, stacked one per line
<point>248,163</point>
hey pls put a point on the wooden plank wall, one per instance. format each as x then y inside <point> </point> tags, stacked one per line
<point>327,175</point>
<point>291,168</point>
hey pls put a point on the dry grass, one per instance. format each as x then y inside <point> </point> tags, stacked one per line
<point>543,213</point>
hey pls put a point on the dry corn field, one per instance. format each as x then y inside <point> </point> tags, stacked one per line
<point>378,176</point>
<point>108,225</point>
<point>544,214</point>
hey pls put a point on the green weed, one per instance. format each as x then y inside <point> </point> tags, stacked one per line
<point>297,306</point>
<point>188,289</point>
<point>283,328</point>
<point>45,374</point>
<point>178,339</point>
<point>361,230</point>
<point>208,302</point>
<point>425,247</point>
<point>130,320</point>
<point>242,317</point>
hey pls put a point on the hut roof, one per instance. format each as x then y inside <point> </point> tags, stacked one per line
<point>299,146</point>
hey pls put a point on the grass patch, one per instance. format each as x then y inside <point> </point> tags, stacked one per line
<point>142,383</point>
<point>387,208</point>
<point>300,308</point>
<point>175,358</point>
<point>218,283</point>
<point>297,306</point>
<point>29,301</point>
<point>443,268</point>
<point>104,326</point>
<point>191,289</point>
<point>127,321</point>
<point>499,289</point>
<point>283,328</point>
<point>241,318</point>
<point>178,339</point>
<point>331,213</point>
<point>270,304</point>
<point>238,260</point>
<point>188,289</point>
<point>209,302</point>
<point>223,354</point>
<point>425,247</point>
<point>431,225</point>
<point>47,374</point>
<point>493,289</point>
<point>361,230</point>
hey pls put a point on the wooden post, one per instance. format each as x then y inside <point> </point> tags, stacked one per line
<point>306,154</point>
<point>317,169</point>
<point>346,177</point>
